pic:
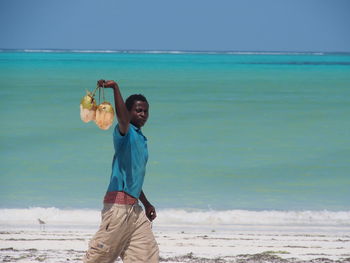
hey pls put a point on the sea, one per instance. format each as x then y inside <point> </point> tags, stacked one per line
<point>233,137</point>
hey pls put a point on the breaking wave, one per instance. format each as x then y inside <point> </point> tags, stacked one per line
<point>58,216</point>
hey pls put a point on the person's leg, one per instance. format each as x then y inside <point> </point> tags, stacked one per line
<point>112,236</point>
<point>142,246</point>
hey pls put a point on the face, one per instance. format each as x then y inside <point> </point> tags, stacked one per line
<point>139,113</point>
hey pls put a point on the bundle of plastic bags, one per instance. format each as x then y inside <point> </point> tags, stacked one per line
<point>88,107</point>
<point>102,115</point>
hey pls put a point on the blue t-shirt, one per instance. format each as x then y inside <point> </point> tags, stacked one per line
<point>129,161</point>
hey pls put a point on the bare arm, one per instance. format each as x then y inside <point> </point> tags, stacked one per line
<point>149,209</point>
<point>121,110</point>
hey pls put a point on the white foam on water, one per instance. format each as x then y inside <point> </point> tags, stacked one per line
<point>58,216</point>
<point>51,215</point>
<point>245,217</point>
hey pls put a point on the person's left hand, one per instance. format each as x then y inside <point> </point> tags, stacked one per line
<point>151,212</point>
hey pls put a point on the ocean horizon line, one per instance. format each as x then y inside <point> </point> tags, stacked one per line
<point>146,51</point>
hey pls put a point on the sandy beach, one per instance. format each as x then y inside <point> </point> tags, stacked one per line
<point>191,243</point>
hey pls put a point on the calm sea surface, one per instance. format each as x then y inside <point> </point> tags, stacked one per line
<point>226,131</point>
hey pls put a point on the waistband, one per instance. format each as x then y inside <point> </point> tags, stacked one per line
<point>118,197</point>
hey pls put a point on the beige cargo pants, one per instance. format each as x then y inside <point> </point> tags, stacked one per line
<point>125,232</point>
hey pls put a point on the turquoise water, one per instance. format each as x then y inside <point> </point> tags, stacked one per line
<point>226,131</point>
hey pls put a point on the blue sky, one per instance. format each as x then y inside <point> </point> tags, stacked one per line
<point>201,25</point>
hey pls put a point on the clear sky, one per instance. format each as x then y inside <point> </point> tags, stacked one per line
<point>199,25</point>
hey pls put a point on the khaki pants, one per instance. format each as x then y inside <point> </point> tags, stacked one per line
<point>125,231</point>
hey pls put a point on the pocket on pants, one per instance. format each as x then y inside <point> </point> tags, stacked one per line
<point>108,216</point>
<point>97,246</point>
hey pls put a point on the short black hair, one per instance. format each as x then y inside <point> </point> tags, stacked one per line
<point>132,98</point>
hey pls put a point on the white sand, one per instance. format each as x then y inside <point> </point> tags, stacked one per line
<point>188,243</point>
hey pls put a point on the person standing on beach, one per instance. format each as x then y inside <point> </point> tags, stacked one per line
<point>125,230</point>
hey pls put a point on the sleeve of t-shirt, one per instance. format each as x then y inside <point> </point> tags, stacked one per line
<point>118,138</point>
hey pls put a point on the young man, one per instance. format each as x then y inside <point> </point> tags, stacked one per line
<point>125,228</point>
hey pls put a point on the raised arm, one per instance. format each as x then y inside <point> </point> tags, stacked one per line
<point>149,209</point>
<point>121,110</point>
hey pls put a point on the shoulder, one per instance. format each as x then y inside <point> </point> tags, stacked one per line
<point>117,135</point>
<point>132,131</point>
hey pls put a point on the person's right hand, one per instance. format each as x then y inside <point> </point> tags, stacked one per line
<point>106,83</point>
<point>101,82</point>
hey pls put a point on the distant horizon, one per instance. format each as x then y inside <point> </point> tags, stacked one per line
<point>100,50</point>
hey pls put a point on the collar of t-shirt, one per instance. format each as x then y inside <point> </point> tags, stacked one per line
<point>138,130</point>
